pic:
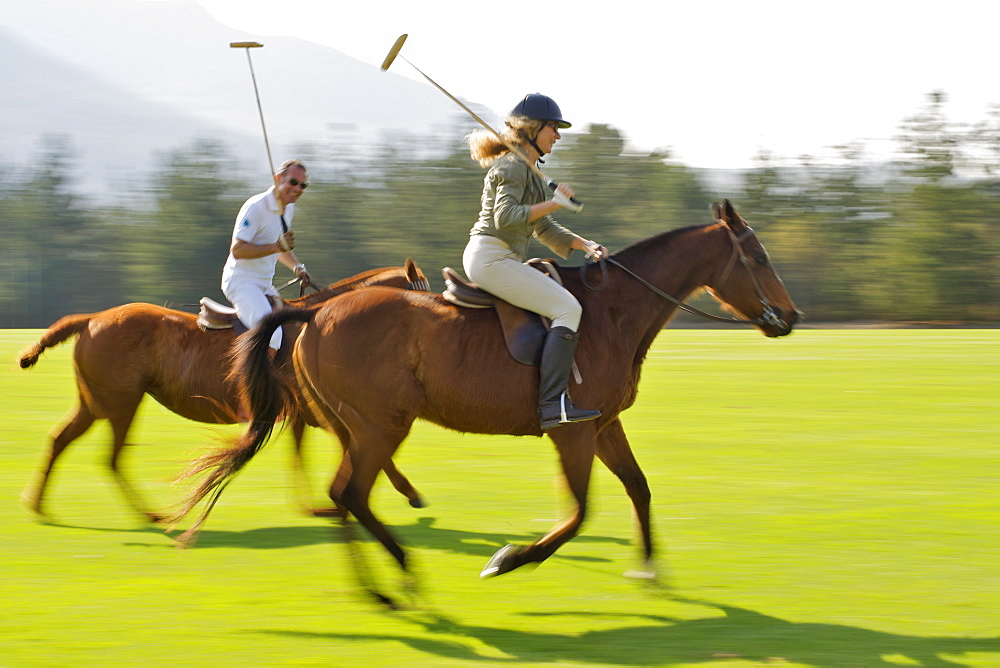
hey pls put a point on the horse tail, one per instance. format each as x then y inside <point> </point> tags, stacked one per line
<point>268,397</point>
<point>58,332</point>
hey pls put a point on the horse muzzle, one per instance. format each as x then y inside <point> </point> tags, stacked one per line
<point>773,322</point>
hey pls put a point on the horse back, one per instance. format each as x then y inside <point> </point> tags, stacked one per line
<point>143,348</point>
<point>389,353</point>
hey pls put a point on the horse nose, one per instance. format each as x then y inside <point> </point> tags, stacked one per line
<point>786,323</point>
<point>793,316</point>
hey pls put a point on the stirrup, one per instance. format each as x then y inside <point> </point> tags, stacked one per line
<point>568,413</point>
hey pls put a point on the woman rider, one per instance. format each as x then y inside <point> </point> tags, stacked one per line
<point>515,208</point>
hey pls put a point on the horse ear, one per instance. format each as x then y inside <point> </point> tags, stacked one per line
<point>716,211</point>
<point>732,218</point>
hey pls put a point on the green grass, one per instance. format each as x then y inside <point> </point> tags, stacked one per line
<point>828,499</point>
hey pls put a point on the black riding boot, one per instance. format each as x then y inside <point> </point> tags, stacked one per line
<point>554,405</point>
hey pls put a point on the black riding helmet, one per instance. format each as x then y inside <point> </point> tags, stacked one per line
<point>542,108</point>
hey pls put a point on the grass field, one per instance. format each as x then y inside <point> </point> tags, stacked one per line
<point>828,499</point>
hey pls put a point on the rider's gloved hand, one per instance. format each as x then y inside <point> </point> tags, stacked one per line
<point>563,197</point>
<point>594,249</point>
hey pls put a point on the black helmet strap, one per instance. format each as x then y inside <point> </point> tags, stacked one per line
<point>531,141</point>
<point>534,145</point>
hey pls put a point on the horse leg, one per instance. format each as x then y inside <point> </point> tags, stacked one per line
<point>395,476</point>
<point>330,422</point>
<point>613,449</point>
<point>576,446</point>
<point>121,422</point>
<point>300,482</point>
<point>350,492</point>
<point>403,485</point>
<point>77,425</point>
<point>363,461</point>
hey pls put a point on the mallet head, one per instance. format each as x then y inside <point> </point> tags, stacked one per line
<point>245,45</point>
<point>393,52</point>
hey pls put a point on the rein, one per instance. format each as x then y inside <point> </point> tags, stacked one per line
<point>768,316</point>
<point>302,286</point>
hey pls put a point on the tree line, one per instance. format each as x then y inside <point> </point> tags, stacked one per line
<point>912,239</point>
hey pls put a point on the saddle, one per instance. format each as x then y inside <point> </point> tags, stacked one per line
<point>214,316</point>
<point>523,331</point>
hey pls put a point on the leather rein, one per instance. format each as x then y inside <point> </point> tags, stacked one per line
<point>767,317</point>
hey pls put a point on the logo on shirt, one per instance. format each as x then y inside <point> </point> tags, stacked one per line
<point>246,223</point>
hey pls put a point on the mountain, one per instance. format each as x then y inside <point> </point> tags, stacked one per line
<point>114,132</point>
<point>128,80</point>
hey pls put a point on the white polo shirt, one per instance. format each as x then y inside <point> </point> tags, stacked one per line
<point>258,222</point>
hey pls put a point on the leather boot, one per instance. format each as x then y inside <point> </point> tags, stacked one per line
<point>554,405</point>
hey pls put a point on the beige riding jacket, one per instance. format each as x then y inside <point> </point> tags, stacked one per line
<point>509,190</point>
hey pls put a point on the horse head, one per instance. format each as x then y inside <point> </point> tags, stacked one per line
<point>748,285</point>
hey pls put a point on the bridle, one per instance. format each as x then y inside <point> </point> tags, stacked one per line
<point>768,317</point>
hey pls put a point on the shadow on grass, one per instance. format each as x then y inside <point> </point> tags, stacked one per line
<point>656,640</point>
<point>421,534</point>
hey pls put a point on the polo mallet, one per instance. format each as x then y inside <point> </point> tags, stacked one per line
<point>394,53</point>
<point>260,110</point>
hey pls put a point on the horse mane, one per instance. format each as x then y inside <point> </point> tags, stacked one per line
<point>661,240</point>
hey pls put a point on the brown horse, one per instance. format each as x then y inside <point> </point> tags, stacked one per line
<point>128,351</point>
<point>448,365</point>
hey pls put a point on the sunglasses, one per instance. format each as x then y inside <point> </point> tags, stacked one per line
<point>295,182</point>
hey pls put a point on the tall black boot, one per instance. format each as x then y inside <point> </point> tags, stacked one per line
<point>554,405</point>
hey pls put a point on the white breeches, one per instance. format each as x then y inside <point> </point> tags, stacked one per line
<point>252,305</point>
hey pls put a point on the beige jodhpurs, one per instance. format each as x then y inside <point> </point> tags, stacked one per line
<point>494,267</point>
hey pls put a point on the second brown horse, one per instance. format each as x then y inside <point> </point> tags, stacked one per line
<point>126,352</point>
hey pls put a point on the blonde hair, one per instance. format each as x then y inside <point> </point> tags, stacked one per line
<point>485,148</point>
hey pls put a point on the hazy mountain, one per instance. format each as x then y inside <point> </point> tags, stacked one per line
<point>128,79</point>
<point>114,132</point>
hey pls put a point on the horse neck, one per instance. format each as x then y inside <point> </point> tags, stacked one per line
<point>676,263</point>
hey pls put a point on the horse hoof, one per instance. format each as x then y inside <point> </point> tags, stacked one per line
<point>382,599</point>
<point>641,575</point>
<point>495,566</point>
<point>323,512</point>
<point>418,502</point>
<point>647,572</point>
<point>31,501</point>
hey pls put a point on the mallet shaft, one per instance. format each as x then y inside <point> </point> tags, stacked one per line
<point>394,53</point>
<point>263,126</point>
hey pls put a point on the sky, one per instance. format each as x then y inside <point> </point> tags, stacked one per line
<point>715,82</point>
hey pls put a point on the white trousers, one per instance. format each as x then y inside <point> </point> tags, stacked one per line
<point>252,305</point>
<point>491,264</point>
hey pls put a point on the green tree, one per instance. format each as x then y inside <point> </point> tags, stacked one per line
<point>937,259</point>
<point>931,143</point>
<point>59,257</point>
<point>177,249</point>
<point>853,240</point>
<point>627,196</point>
